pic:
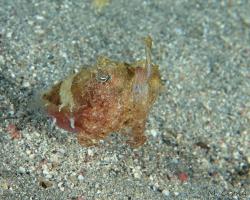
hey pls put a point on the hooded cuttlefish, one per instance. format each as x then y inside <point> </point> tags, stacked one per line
<point>108,97</point>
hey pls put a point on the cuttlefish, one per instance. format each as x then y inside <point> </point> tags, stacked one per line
<point>108,97</point>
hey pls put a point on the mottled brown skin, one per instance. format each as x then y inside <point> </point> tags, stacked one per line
<point>106,98</point>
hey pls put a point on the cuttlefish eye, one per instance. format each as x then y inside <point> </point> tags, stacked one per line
<point>102,77</point>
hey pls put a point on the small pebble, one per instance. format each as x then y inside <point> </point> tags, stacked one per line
<point>21,170</point>
<point>137,172</point>
<point>60,185</point>
<point>183,176</point>
<point>26,84</point>
<point>166,192</point>
<point>61,152</point>
<point>45,172</point>
<point>2,61</point>
<point>39,17</point>
<point>28,152</point>
<point>9,35</point>
<point>48,176</point>
<point>153,132</point>
<point>80,177</point>
<point>90,152</point>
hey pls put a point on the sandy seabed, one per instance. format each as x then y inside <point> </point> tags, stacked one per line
<point>198,130</point>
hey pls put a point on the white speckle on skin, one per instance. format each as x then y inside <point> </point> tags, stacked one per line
<point>53,122</point>
<point>72,122</point>
<point>66,95</point>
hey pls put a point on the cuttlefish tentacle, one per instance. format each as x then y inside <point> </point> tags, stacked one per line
<point>143,74</point>
<point>148,51</point>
